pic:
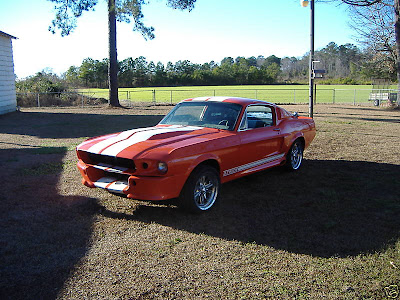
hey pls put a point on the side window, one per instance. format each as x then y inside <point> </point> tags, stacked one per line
<point>259,116</point>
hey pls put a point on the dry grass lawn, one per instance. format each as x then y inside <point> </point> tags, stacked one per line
<point>330,231</point>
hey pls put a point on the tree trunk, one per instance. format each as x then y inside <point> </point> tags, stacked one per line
<point>112,50</point>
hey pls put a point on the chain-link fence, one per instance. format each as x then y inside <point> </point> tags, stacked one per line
<point>58,99</point>
<point>132,97</point>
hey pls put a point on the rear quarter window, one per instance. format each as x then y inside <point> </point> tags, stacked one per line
<point>259,116</point>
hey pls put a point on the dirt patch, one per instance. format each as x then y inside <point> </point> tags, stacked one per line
<point>330,230</point>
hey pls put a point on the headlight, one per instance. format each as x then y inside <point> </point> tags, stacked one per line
<point>162,167</point>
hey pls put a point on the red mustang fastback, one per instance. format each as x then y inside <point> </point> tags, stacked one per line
<point>200,144</point>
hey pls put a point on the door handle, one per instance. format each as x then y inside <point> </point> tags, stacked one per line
<point>277,129</point>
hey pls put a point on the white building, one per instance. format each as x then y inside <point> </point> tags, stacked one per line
<point>8,100</point>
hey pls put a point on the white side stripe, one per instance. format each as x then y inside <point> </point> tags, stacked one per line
<point>252,164</point>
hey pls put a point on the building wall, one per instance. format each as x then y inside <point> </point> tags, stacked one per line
<point>8,100</point>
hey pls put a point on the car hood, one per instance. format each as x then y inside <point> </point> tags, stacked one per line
<point>136,142</point>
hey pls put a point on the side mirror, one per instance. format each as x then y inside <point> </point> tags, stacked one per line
<point>295,114</point>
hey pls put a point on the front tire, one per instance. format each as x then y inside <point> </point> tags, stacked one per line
<point>201,190</point>
<point>295,156</point>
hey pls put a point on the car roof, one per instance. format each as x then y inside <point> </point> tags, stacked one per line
<point>236,100</point>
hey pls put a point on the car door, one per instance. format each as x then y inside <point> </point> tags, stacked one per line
<point>260,138</point>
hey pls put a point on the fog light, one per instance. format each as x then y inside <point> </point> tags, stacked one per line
<point>162,167</point>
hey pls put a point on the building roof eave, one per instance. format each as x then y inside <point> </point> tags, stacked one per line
<point>7,35</point>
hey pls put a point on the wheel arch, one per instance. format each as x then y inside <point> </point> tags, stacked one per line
<point>290,141</point>
<point>302,140</point>
<point>206,161</point>
<point>297,138</point>
<point>211,161</point>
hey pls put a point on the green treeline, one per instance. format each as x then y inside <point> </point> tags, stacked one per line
<point>139,72</point>
<point>344,64</point>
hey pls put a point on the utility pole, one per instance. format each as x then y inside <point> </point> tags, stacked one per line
<point>311,83</point>
<point>304,3</point>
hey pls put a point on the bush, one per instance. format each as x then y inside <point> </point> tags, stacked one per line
<point>57,99</point>
<point>343,80</point>
<point>42,82</point>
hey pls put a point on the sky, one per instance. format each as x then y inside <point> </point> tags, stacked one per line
<point>213,30</point>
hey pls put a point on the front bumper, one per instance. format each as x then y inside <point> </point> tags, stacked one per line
<point>135,187</point>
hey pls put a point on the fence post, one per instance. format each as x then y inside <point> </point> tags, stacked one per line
<point>315,94</point>
<point>354,99</point>
<point>154,96</point>
<point>171,96</point>
<point>82,100</point>
<point>256,95</point>
<point>294,96</point>
<point>214,93</point>
<point>38,100</point>
<point>334,95</point>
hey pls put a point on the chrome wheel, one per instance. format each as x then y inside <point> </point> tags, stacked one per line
<point>206,192</point>
<point>201,190</point>
<point>295,156</point>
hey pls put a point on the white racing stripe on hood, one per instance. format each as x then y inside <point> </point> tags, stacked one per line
<point>141,136</point>
<point>120,137</point>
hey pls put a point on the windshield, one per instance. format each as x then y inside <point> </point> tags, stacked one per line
<point>221,115</point>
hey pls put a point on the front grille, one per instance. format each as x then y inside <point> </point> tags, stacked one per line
<point>95,159</point>
<point>118,177</point>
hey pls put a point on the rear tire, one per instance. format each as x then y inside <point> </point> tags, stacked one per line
<point>201,190</point>
<point>294,158</point>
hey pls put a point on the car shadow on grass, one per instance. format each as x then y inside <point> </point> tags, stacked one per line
<point>328,208</point>
<point>43,234</point>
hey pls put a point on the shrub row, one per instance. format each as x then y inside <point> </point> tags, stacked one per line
<point>56,99</point>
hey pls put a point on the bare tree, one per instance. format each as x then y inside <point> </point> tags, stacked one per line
<point>375,26</point>
<point>382,10</point>
<point>375,30</point>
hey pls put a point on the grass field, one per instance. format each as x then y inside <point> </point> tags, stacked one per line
<point>329,231</point>
<point>272,93</point>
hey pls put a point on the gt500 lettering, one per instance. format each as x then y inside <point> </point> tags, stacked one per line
<point>231,171</point>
